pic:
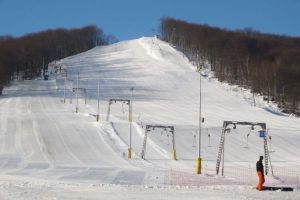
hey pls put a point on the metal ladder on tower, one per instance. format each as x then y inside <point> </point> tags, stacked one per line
<point>266,153</point>
<point>267,156</point>
<point>220,151</point>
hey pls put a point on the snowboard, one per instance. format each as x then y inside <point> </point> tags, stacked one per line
<point>277,188</point>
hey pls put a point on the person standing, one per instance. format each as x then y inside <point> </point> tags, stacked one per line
<point>260,173</point>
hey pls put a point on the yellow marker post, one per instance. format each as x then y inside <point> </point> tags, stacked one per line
<point>174,154</point>
<point>129,153</point>
<point>198,165</point>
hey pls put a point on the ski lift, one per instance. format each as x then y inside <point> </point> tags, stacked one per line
<point>161,133</point>
<point>195,134</point>
<point>247,136</point>
<point>234,126</point>
<point>168,139</point>
<point>232,131</point>
<point>270,139</point>
<point>194,137</point>
<point>208,135</point>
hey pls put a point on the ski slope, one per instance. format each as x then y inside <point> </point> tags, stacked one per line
<point>166,91</point>
<point>45,143</point>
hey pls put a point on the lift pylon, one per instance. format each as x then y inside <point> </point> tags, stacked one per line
<point>225,130</point>
<point>153,127</point>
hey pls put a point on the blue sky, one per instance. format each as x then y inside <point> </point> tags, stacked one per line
<point>128,19</point>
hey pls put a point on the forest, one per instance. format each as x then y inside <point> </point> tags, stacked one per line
<point>267,64</point>
<point>27,57</point>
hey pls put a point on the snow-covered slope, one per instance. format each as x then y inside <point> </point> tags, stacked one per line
<point>166,91</point>
<point>164,82</point>
<point>44,139</point>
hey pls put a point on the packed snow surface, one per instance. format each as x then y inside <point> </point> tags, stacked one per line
<point>50,151</point>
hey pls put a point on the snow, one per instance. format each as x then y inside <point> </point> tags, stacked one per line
<point>19,188</point>
<point>48,151</point>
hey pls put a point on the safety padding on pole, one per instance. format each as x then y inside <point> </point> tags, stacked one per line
<point>198,165</point>
<point>76,109</point>
<point>97,118</point>
<point>129,153</point>
<point>174,154</point>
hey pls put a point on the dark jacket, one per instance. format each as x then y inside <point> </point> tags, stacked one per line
<point>260,167</point>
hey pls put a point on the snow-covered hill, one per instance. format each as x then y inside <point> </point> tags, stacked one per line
<point>45,142</point>
<point>166,91</point>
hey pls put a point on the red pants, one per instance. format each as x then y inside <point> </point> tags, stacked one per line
<point>261,181</point>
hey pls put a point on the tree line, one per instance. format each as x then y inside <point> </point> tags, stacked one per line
<point>26,57</point>
<point>267,64</point>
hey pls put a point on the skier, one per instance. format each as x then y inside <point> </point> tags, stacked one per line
<point>260,173</point>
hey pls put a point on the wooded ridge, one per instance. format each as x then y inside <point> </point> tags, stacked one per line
<point>267,64</point>
<point>27,57</point>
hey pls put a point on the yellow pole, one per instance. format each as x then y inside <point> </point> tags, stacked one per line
<point>174,154</point>
<point>129,153</point>
<point>198,165</point>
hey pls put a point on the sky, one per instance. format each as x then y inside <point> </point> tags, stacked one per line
<point>130,19</point>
